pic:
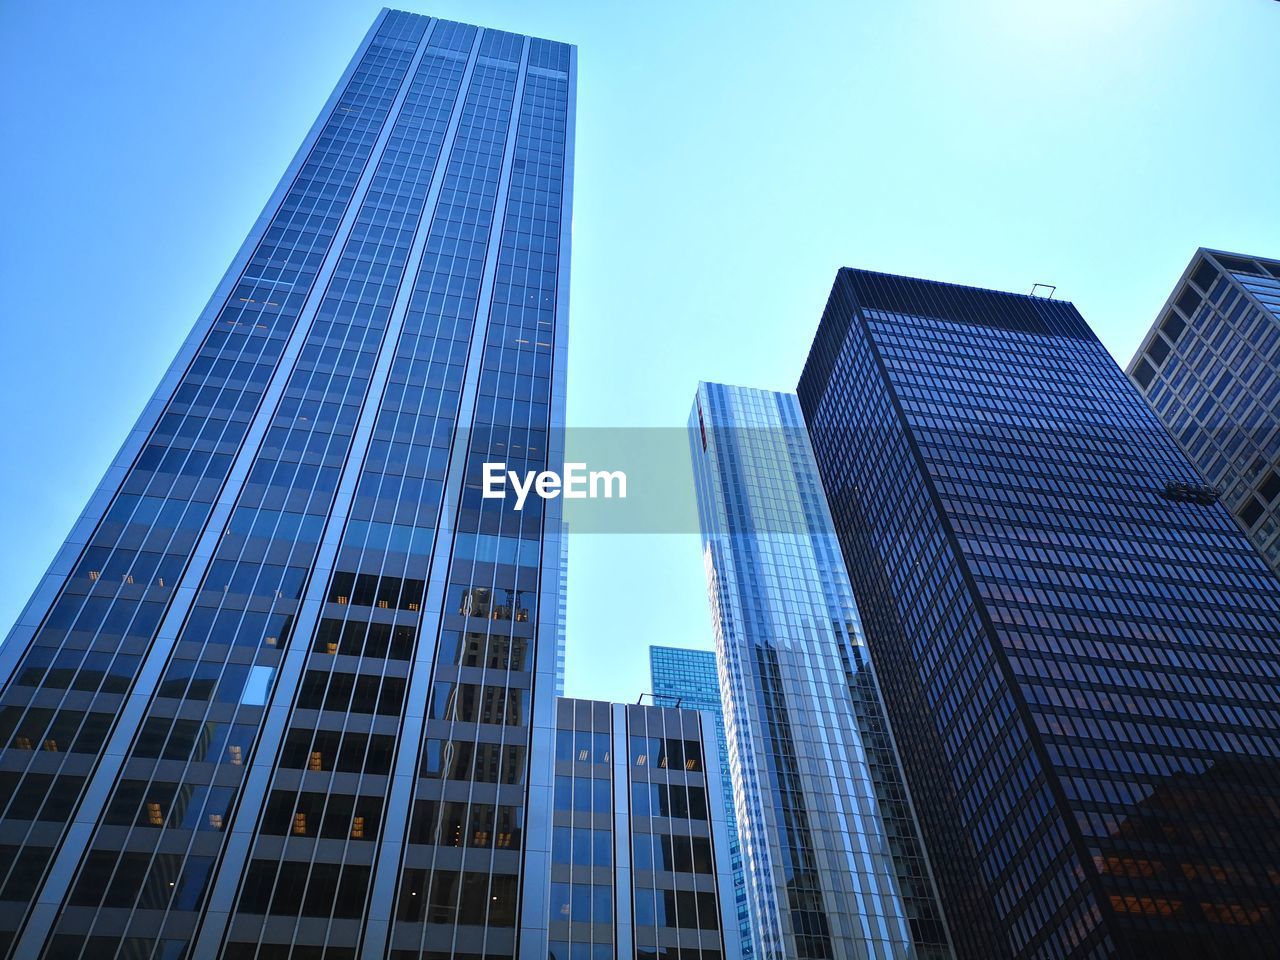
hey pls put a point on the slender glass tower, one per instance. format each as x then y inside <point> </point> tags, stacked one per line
<point>562,612</point>
<point>1080,663</point>
<point>687,678</point>
<point>1210,368</point>
<point>834,866</point>
<point>287,629</point>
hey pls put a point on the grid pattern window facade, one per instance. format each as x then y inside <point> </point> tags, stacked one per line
<point>832,858</point>
<point>275,697</point>
<point>678,837</point>
<point>640,869</point>
<point>582,900</point>
<point>1078,668</point>
<point>687,678</point>
<point>1210,368</point>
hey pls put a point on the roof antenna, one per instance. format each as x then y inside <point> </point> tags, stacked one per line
<point>653,699</point>
<point>1036,289</point>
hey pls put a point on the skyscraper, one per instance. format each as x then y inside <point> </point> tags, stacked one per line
<point>640,865</point>
<point>1080,668</point>
<point>687,678</point>
<point>833,864</point>
<point>287,628</point>
<point>1210,368</point>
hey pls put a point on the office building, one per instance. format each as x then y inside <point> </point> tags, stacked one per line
<point>287,637</point>
<point>833,863</point>
<point>681,677</point>
<point>639,848</point>
<point>1079,659</point>
<point>1210,368</point>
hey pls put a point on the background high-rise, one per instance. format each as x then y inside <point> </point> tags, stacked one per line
<point>1210,368</point>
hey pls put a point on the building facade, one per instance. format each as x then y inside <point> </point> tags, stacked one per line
<point>1080,670</point>
<point>681,677</point>
<point>833,863</point>
<point>288,650</point>
<point>1210,368</point>
<point>639,842</point>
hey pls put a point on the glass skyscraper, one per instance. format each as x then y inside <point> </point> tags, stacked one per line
<point>834,867</point>
<point>287,641</point>
<point>1080,664</point>
<point>1210,368</point>
<point>687,678</point>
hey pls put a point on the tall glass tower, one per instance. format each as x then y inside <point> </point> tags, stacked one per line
<point>1080,663</point>
<point>834,867</point>
<point>1210,368</point>
<point>287,630</point>
<point>562,612</point>
<point>686,678</point>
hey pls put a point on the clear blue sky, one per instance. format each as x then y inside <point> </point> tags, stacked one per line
<point>731,156</point>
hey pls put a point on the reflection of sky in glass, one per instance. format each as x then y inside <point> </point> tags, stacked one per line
<point>257,686</point>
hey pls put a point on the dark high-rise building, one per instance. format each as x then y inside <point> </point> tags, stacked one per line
<point>639,844</point>
<point>686,678</point>
<point>288,636</point>
<point>1080,661</point>
<point>1210,368</point>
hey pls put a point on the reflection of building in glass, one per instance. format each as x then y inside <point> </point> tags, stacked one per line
<point>833,863</point>
<point>276,697</point>
<point>1081,671</point>
<point>1210,368</point>
<point>687,678</point>
<point>639,843</point>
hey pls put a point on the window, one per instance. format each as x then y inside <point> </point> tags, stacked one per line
<point>688,802</point>
<point>1173,327</point>
<point>482,762</point>
<point>582,746</point>
<point>581,903</point>
<point>582,846</point>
